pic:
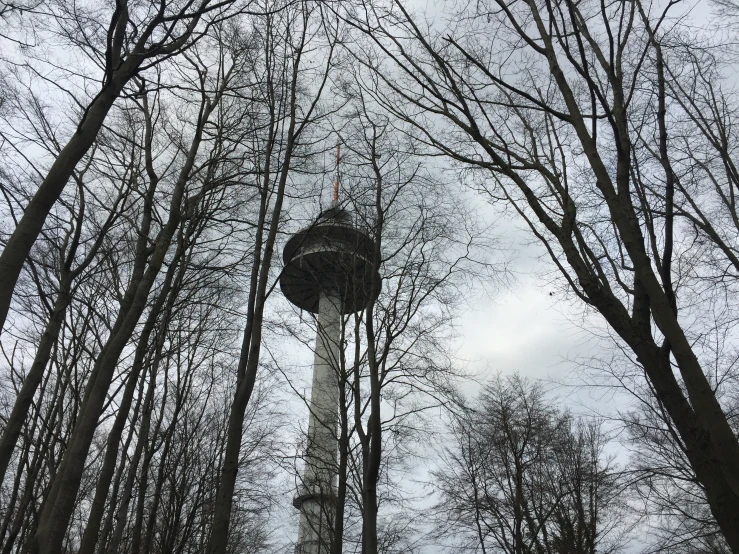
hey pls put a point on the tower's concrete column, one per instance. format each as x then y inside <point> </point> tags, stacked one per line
<point>317,496</point>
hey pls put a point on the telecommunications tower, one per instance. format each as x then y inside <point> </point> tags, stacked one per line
<point>329,271</point>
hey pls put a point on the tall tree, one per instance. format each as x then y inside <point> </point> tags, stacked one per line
<point>394,362</point>
<point>73,247</point>
<point>524,477</point>
<point>564,112</point>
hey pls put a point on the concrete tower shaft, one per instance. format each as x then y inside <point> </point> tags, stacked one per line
<point>328,271</point>
<point>316,495</point>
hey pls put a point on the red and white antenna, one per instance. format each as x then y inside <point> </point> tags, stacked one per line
<point>336,180</point>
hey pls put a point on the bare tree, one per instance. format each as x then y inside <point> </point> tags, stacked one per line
<point>124,439</point>
<point>524,477</point>
<point>429,248</point>
<point>58,504</point>
<point>563,112</point>
<point>668,493</point>
<point>79,232</point>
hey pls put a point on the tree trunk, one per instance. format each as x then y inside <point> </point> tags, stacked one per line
<point>337,543</point>
<point>149,450</point>
<point>371,458</point>
<point>113,504</point>
<point>161,476</point>
<point>372,443</point>
<point>699,448</point>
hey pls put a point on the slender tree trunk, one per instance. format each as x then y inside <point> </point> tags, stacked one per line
<point>144,480</point>
<point>248,363</point>
<point>97,508</point>
<point>161,477</point>
<point>42,453</point>
<point>372,444</point>
<point>371,459</point>
<point>518,517</point>
<point>39,451</point>
<point>22,460</point>
<point>113,504</point>
<point>337,542</point>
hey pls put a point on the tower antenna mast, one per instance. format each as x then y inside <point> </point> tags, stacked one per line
<point>336,179</point>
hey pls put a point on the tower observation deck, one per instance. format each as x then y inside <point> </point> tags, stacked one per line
<point>329,271</point>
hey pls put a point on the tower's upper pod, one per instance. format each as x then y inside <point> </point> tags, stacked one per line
<point>331,256</point>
